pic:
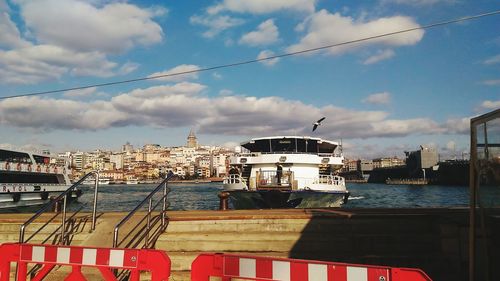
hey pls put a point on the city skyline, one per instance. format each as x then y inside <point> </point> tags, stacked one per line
<point>379,97</point>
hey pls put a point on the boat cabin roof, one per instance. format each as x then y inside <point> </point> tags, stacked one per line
<point>291,144</point>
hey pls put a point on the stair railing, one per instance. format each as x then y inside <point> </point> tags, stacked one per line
<point>54,204</point>
<point>146,229</point>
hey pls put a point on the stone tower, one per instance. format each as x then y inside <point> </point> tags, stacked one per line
<point>192,141</point>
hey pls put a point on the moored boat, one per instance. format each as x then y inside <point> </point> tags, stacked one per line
<point>286,172</point>
<point>132,181</point>
<point>28,179</point>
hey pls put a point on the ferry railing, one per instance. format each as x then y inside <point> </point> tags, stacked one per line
<point>269,179</point>
<point>329,179</point>
<point>66,222</point>
<point>148,227</point>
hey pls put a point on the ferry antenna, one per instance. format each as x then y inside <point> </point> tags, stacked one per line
<point>234,64</point>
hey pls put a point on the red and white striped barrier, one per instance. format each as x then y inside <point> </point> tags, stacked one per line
<point>104,259</point>
<point>267,269</point>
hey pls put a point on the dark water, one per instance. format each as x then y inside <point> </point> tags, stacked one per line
<point>204,196</point>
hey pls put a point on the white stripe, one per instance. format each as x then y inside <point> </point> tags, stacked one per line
<point>317,272</point>
<point>89,256</point>
<point>247,268</point>
<point>38,254</point>
<point>116,258</point>
<point>357,273</point>
<point>281,270</point>
<point>63,255</point>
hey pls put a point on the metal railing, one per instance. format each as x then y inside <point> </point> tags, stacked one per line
<point>330,179</point>
<point>148,227</point>
<point>54,204</point>
<point>271,178</point>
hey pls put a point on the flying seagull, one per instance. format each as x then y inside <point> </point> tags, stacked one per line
<point>317,123</point>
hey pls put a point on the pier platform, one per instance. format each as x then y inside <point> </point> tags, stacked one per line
<point>434,240</point>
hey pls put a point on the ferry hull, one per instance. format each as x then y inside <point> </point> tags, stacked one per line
<point>17,200</point>
<point>265,199</point>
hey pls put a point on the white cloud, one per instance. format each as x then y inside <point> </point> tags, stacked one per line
<point>458,126</point>
<point>49,114</point>
<point>112,28</point>
<point>190,75</point>
<point>45,62</point>
<point>9,34</point>
<point>128,67</point>
<point>262,6</point>
<point>266,54</point>
<point>226,92</point>
<point>419,2</point>
<point>216,75</point>
<point>378,98</point>
<point>215,24</point>
<point>324,28</point>
<point>267,33</point>
<point>492,82</point>
<point>184,104</point>
<point>380,56</point>
<point>82,49</point>
<point>492,60</point>
<point>489,105</point>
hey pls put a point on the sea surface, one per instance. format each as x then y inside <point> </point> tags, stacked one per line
<point>203,196</point>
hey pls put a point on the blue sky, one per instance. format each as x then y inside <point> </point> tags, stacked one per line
<point>380,97</point>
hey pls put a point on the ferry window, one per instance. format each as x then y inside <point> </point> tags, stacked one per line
<point>283,145</point>
<point>41,159</point>
<point>312,146</point>
<point>30,178</point>
<point>14,156</point>
<point>307,145</point>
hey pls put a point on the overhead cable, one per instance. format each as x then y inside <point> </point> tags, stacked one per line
<point>462,19</point>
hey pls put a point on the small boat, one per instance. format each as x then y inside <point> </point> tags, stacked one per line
<point>286,172</point>
<point>104,181</point>
<point>132,181</point>
<point>30,179</point>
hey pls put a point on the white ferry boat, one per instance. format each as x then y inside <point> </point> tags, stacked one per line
<point>132,181</point>
<point>104,181</point>
<point>28,179</point>
<point>286,172</point>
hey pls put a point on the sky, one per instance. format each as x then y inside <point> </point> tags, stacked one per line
<point>380,97</point>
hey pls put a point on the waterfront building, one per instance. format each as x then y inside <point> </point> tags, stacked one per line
<point>114,175</point>
<point>117,160</point>
<point>78,160</point>
<point>424,158</point>
<point>366,165</point>
<point>386,162</point>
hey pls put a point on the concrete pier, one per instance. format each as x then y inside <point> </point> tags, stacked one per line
<point>434,240</point>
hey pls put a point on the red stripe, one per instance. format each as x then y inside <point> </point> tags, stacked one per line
<point>232,266</point>
<point>374,274</point>
<point>50,254</point>
<point>337,272</point>
<point>26,252</point>
<point>130,258</point>
<point>264,268</point>
<point>102,257</point>
<point>76,255</point>
<point>299,271</point>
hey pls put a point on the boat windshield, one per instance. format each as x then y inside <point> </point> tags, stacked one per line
<point>290,145</point>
